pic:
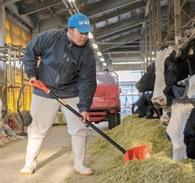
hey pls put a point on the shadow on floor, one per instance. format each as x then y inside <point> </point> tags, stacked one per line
<point>52,158</point>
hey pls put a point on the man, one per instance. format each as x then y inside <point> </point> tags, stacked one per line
<point>67,67</point>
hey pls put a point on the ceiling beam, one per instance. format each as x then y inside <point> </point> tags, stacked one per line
<point>53,22</point>
<point>18,22</point>
<point>119,26</point>
<point>133,7</point>
<point>6,2</point>
<point>104,5</point>
<point>110,36</point>
<point>13,11</point>
<point>120,41</point>
<point>118,54</point>
<point>111,31</point>
<point>123,26</point>
<point>126,47</point>
<point>39,6</point>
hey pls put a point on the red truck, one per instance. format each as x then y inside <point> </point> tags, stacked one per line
<point>106,102</point>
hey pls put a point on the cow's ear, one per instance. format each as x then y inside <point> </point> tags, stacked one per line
<point>189,48</point>
<point>191,52</point>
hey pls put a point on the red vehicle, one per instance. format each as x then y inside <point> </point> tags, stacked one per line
<point>106,101</point>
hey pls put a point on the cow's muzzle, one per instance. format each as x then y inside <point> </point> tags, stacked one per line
<point>159,101</point>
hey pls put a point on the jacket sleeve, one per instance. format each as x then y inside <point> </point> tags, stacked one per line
<point>33,50</point>
<point>87,82</point>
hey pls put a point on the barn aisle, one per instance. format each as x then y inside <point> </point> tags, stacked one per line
<point>54,161</point>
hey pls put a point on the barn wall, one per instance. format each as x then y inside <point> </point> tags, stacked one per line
<point>15,35</point>
<point>15,93</point>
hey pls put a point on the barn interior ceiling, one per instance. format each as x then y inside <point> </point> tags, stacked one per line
<point>123,30</point>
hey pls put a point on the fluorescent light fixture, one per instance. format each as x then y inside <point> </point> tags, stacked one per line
<point>104,64</point>
<point>90,35</point>
<point>99,53</point>
<point>94,45</point>
<point>102,59</point>
<point>71,1</point>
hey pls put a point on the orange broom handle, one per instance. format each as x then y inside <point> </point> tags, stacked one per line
<point>40,85</point>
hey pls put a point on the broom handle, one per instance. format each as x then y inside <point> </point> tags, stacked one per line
<point>88,123</point>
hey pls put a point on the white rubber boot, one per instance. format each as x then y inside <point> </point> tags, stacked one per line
<point>33,149</point>
<point>79,149</point>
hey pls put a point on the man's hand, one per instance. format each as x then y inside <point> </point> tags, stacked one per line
<point>85,116</point>
<point>32,79</point>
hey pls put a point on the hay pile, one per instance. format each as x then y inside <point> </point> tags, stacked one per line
<point>160,168</point>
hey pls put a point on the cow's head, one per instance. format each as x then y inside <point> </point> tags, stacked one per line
<point>142,103</point>
<point>167,70</point>
<point>146,82</point>
<point>189,135</point>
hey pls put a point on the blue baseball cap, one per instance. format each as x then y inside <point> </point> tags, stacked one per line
<point>81,22</point>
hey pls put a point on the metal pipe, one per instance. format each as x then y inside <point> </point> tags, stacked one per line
<point>14,68</point>
<point>75,6</point>
<point>9,65</point>
<point>69,9</point>
<point>177,15</point>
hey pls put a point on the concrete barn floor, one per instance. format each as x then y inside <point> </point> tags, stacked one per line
<point>54,161</point>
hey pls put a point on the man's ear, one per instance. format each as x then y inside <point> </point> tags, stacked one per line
<point>69,32</point>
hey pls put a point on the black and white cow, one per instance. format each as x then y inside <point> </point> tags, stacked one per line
<point>140,106</point>
<point>145,108</point>
<point>180,112</point>
<point>146,82</point>
<point>181,128</point>
<point>153,112</point>
<point>189,135</point>
<point>189,130</point>
<point>172,65</point>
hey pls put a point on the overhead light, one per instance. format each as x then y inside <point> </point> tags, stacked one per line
<point>99,53</point>
<point>102,59</point>
<point>104,64</point>
<point>151,58</point>
<point>71,1</point>
<point>95,45</point>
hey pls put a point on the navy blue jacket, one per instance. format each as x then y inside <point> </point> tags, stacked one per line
<point>66,69</point>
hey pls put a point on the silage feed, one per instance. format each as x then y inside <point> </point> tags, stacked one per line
<point>160,168</point>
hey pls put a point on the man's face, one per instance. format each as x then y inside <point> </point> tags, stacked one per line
<point>78,38</point>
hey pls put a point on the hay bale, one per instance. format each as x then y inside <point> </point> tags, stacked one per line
<point>159,168</point>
